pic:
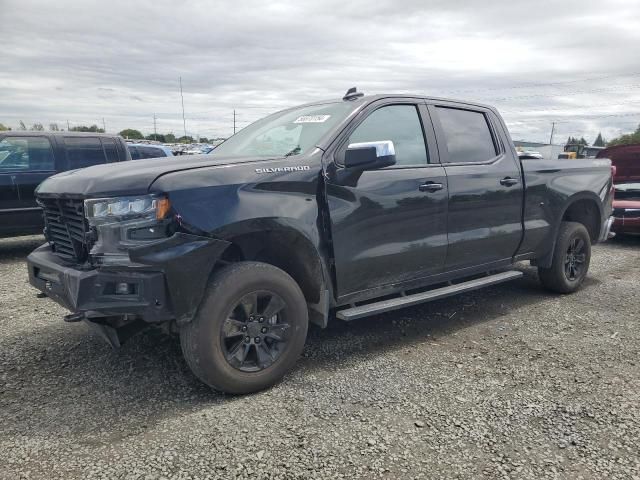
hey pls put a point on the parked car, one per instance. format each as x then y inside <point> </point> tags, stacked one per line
<point>339,209</point>
<point>28,158</point>
<point>626,208</point>
<point>143,150</point>
<point>626,203</point>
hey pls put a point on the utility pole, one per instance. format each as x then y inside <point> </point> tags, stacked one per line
<point>104,125</point>
<point>155,132</point>
<point>68,127</point>
<point>234,122</point>
<point>553,127</point>
<point>184,122</point>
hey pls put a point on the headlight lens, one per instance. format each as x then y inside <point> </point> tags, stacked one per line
<point>105,210</point>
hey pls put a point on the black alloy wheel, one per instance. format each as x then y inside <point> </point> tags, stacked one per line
<point>571,258</point>
<point>249,329</point>
<point>255,333</point>
<point>574,260</point>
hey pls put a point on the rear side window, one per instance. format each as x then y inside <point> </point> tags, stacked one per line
<point>83,152</point>
<point>467,134</point>
<point>151,152</point>
<point>135,154</point>
<point>110,150</point>
<point>400,124</point>
<point>26,154</point>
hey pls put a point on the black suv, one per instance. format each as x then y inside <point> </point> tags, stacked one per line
<point>27,158</point>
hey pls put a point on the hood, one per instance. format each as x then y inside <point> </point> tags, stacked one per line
<point>626,159</point>
<point>128,178</point>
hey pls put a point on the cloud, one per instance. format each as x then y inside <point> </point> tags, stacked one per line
<point>570,62</point>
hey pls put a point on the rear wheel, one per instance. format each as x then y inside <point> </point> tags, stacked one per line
<point>571,259</point>
<point>249,330</point>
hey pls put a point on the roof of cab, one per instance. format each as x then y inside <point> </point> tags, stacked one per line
<point>367,99</point>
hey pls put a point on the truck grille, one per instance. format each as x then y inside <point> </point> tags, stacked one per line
<point>65,227</point>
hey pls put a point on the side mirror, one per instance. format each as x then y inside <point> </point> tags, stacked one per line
<point>370,155</point>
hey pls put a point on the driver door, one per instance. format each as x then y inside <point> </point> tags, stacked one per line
<point>388,225</point>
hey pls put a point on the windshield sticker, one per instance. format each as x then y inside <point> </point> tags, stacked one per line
<point>312,119</point>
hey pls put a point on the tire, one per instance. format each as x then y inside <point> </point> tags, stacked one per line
<point>230,312</point>
<point>560,277</point>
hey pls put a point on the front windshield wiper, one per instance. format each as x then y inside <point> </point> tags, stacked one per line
<point>295,151</point>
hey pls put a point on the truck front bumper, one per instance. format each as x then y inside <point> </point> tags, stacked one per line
<point>166,280</point>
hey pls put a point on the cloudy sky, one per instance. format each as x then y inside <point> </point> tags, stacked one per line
<point>572,62</point>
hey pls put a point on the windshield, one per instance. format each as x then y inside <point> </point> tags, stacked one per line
<point>291,132</point>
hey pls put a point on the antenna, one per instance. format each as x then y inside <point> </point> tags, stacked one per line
<point>352,94</point>
<point>184,122</point>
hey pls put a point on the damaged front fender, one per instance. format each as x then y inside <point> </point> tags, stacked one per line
<point>186,261</point>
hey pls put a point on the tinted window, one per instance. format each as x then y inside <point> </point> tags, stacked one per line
<point>84,152</point>
<point>135,154</point>
<point>400,124</point>
<point>158,152</point>
<point>150,152</point>
<point>467,135</point>
<point>26,153</point>
<point>109,145</point>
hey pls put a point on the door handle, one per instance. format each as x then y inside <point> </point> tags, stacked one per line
<point>508,181</point>
<point>430,187</point>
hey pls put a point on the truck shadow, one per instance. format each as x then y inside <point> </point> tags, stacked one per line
<point>17,248</point>
<point>65,375</point>
<point>625,242</point>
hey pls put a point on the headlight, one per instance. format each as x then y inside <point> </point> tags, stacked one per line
<point>107,210</point>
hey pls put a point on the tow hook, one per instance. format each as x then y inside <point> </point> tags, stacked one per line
<point>74,317</point>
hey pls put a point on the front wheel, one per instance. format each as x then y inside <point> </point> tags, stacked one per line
<point>249,330</point>
<point>571,258</point>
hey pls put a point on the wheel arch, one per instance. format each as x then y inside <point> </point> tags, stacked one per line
<point>584,208</point>
<point>284,244</point>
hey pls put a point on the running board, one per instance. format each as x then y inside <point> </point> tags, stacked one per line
<point>354,313</point>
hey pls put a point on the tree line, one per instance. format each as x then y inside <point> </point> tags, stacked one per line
<point>128,133</point>
<point>133,134</point>
<point>624,139</point>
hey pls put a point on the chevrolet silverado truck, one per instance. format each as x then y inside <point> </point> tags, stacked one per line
<point>331,210</point>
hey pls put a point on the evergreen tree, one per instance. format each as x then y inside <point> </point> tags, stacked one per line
<point>599,141</point>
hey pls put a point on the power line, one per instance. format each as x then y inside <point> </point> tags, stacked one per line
<point>613,115</point>
<point>566,94</point>
<point>545,84</point>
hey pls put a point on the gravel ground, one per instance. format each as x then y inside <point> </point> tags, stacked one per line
<point>508,382</point>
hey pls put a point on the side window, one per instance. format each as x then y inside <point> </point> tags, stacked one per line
<point>150,152</point>
<point>83,151</point>
<point>158,152</point>
<point>26,153</point>
<point>400,124</point>
<point>109,146</point>
<point>135,154</point>
<point>467,134</point>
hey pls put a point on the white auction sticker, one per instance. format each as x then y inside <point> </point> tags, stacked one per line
<point>312,119</point>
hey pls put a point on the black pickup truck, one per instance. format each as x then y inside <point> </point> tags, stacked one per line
<point>336,209</point>
<point>28,158</point>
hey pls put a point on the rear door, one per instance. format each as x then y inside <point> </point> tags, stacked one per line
<point>387,227</point>
<point>31,161</point>
<point>485,188</point>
